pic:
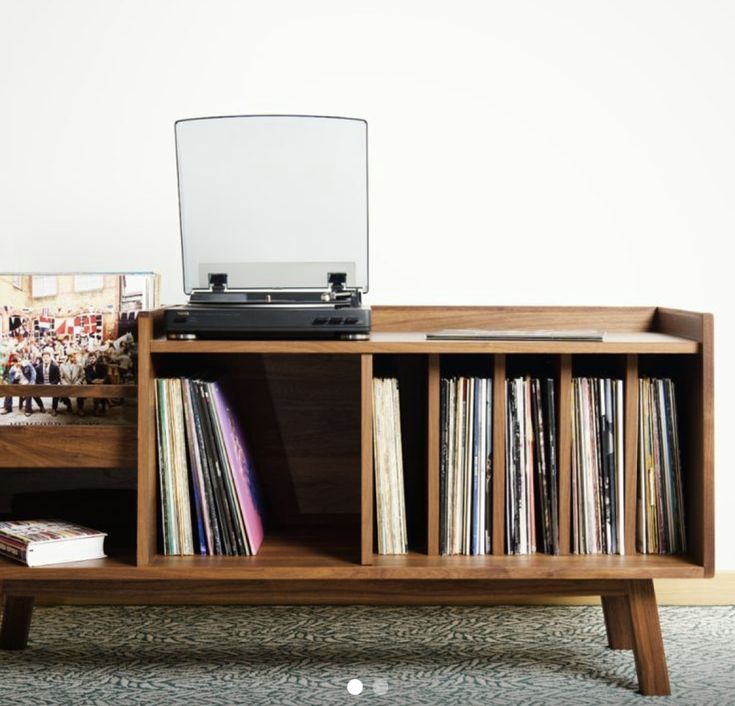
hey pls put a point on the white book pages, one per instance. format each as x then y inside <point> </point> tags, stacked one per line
<point>398,447</point>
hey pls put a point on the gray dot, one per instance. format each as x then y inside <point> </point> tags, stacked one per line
<point>380,687</point>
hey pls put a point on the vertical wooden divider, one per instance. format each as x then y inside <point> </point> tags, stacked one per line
<point>704,548</point>
<point>498,499</point>
<point>433,439</point>
<point>147,472</point>
<point>631,450</point>
<point>564,452</point>
<point>366,455</point>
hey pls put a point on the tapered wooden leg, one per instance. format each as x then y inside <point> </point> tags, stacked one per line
<point>617,622</point>
<point>16,624</point>
<point>648,645</point>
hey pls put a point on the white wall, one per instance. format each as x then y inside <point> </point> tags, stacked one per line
<point>521,152</point>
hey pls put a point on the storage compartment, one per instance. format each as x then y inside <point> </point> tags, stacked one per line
<point>100,500</point>
<point>300,417</point>
<point>466,439</point>
<point>533,459</point>
<point>685,373</point>
<point>602,429</point>
<point>411,373</point>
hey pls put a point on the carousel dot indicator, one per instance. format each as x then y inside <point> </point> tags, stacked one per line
<point>354,687</point>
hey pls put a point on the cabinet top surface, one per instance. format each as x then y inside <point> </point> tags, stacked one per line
<point>416,342</point>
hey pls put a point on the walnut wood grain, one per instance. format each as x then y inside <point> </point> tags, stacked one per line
<point>336,555</point>
<point>414,341</point>
<point>87,391</point>
<point>68,446</point>
<point>648,645</point>
<point>676,322</point>
<point>695,385</point>
<point>705,443</point>
<point>322,558</point>
<point>301,418</point>
<point>433,318</point>
<point>366,435</point>
<point>617,622</point>
<point>311,592</point>
<point>147,454</point>
<point>17,614</point>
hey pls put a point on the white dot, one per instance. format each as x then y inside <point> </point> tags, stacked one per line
<point>354,686</point>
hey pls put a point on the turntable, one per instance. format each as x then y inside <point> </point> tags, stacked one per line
<point>274,227</point>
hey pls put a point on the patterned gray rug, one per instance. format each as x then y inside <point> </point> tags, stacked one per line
<point>307,655</point>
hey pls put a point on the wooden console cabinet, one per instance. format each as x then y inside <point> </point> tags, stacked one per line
<point>306,409</point>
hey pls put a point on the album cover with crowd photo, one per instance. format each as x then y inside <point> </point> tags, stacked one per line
<point>71,330</point>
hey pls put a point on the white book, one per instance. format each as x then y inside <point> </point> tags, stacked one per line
<point>46,542</point>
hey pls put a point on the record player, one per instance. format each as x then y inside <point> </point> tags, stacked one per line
<point>274,227</point>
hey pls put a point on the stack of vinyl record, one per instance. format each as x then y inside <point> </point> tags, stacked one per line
<point>531,484</point>
<point>390,500</point>
<point>466,465</point>
<point>598,488</point>
<point>205,471</point>
<point>661,527</point>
